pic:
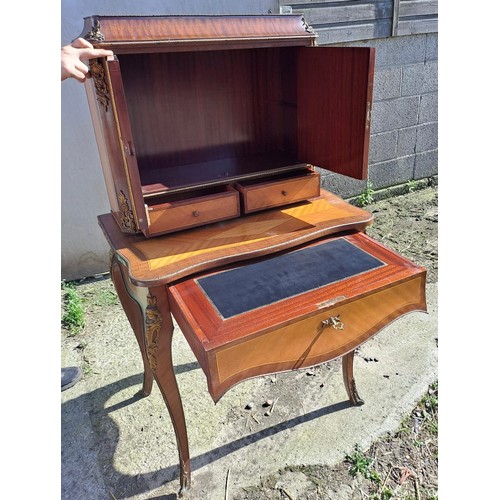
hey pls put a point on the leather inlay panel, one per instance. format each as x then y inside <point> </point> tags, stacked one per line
<point>263,283</point>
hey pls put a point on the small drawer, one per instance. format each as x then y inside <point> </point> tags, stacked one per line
<point>279,190</point>
<point>185,210</point>
<point>294,310</point>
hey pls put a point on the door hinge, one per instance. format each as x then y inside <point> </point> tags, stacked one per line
<point>128,147</point>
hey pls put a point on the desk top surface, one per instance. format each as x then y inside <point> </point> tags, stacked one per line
<point>164,259</point>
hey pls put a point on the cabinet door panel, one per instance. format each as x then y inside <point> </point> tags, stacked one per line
<point>129,159</point>
<point>334,97</point>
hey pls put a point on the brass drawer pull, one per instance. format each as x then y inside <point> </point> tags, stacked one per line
<point>334,322</point>
<point>284,193</point>
<point>196,213</point>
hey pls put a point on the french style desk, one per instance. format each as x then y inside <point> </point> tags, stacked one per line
<point>210,129</point>
<point>281,290</point>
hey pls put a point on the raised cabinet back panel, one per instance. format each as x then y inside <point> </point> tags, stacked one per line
<point>335,86</point>
<point>199,117</point>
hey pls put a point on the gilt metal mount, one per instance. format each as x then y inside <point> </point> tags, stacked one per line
<point>95,34</point>
<point>334,322</point>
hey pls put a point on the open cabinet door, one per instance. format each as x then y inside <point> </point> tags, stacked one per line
<point>130,170</point>
<point>334,98</point>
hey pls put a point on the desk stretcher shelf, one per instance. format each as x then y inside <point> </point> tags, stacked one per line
<point>293,310</point>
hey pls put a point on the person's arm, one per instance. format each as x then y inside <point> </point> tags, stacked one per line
<point>73,55</point>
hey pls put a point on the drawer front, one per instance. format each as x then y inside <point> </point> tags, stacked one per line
<point>321,337</point>
<point>193,212</point>
<point>280,192</point>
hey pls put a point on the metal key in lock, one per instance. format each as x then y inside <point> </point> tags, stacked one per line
<point>334,322</point>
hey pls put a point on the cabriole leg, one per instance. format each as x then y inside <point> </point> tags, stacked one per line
<point>159,332</point>
<point>350,384</point>
<point>149,315</point>
<point>134,313</point>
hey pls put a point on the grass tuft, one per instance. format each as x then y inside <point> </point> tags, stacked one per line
<point>73,318</point>
<point>366,196</point>
<point>361,464</point>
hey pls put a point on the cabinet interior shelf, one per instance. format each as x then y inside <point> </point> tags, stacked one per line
<point>216,172</point>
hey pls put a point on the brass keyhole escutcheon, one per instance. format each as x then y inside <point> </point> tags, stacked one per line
<point>334,322</point>
<point>284,193</point>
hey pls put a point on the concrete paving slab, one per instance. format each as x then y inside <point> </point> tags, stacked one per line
<point>117,445</point>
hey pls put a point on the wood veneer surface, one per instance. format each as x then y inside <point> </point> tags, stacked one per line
<point>133,33</point>
<point>334,129</point>
<point>305,343</point>
<point>164,259</point>
<point>219,331</point>
<point>210,116</point>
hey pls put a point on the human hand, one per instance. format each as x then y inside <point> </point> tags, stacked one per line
<point>73,55</point>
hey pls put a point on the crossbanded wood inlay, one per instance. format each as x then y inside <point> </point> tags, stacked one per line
<point>305,343</point>
<point>259,227</point>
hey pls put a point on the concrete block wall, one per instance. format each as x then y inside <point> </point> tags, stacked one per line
<point>404,128</point>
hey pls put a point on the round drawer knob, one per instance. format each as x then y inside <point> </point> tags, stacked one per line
<point>284,193</point>
<point>196,213</point>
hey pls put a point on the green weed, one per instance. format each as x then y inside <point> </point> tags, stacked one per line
<point>427,413</point>
<point>361,464</point>
<point>86,368</point>
<point>385,494</point>
<point>430,400</point>
<point>101,297</point>
<point>411,185</point>
<point>366,196</point>
<point>73,318</point>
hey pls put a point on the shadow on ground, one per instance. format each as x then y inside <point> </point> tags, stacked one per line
<point>107,436</point>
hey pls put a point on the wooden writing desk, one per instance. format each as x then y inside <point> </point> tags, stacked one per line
<point>279,290</point>
<point>210,129</point>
